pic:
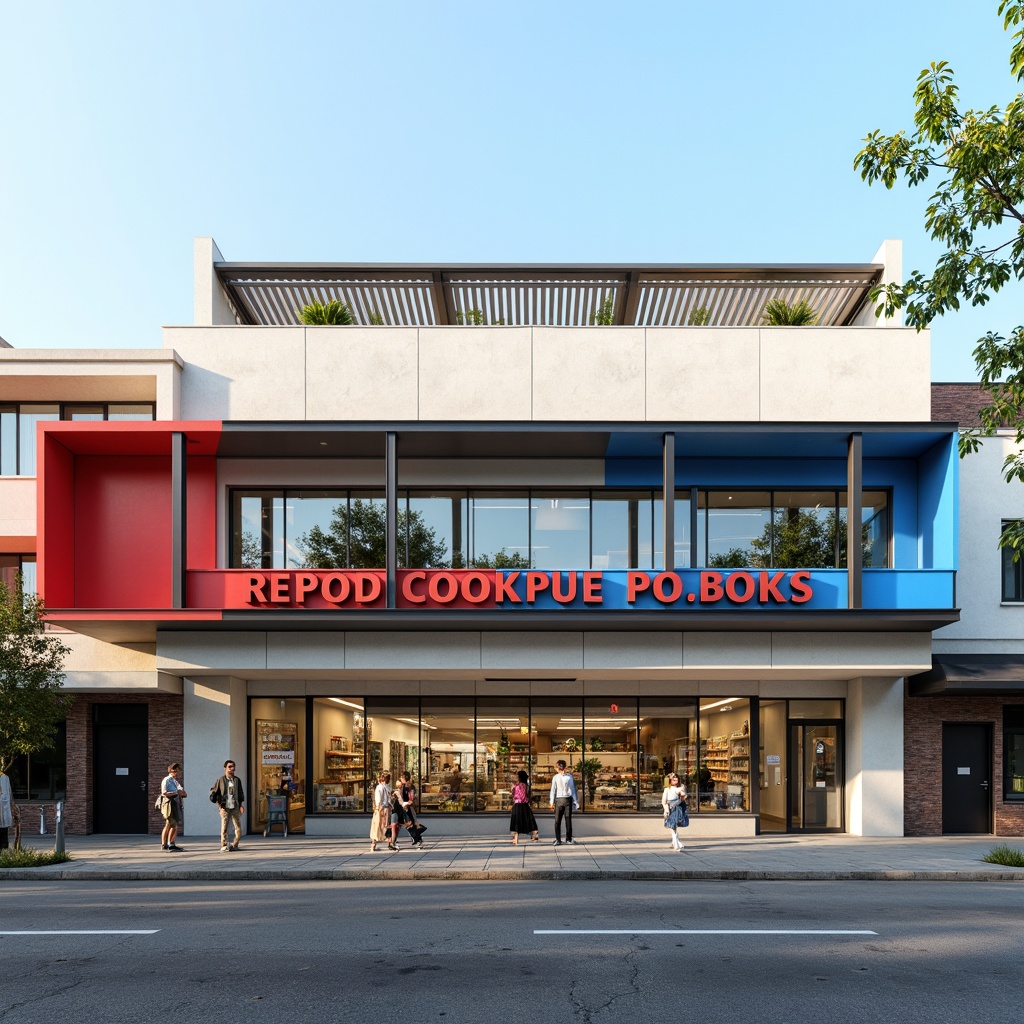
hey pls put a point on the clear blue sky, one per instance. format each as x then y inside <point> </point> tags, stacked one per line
<point>525,131</point>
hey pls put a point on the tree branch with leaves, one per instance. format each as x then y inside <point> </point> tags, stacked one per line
<point>977,213</point>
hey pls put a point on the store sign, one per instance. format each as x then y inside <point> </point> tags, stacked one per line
<point>278,756</point>
<point>509,588</point>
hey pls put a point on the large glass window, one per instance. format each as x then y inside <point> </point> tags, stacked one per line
<point>738,525</point>
<point>668,743</point>
<point>504,747</point>
<point>452,774</point>
<point>339,754</point>
<point>558,724</point>
<point>42,775</point>
<point>28,417</point>
<point>622,530</point>
<point>393,741</point>
<point>803,531</point>
<point>874,529</point>
<point>723,768</point>
<point>1013,572</point>
<point>435,530</point>
<point>499,526</point>
<point>606,770</point>
<point>1013,753</point>
<point>560,530</point>
<point>11,565</point>
<point>277,784</point>
<point>680,534</point>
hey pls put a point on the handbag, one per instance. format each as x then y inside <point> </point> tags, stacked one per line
<point>159,805</point>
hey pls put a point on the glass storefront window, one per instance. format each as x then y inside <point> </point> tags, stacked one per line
<point>621,530</point>
<point>392,737</point>
<point>803,531</point>
<point>499,528</point>
<point>1013,753</point>
<point>560,530</point>
<point>277,783</point>
<point>435,530</point>
<point>738,525</point>
<point>504,747</point>
<point>257,530</point>
<point>680,534</point>
<point>450,767</point>
<point>339,749</point>
<point>558,724</point>
<point>316,529</point>
<point>874,529</point>
<point>723,772</point>
<point>668,743</point>
<point>606,770</point>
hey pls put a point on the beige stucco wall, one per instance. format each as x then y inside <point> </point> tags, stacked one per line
<point>541,374</point>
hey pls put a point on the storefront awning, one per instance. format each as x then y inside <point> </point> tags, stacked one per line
<point>983,674</point>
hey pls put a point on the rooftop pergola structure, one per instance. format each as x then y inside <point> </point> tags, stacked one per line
<point>549,295</point>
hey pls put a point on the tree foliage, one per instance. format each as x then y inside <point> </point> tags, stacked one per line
<point>357,537</point>
<point>976,212</point>
<point>32,702</point>
<point>780,313</point>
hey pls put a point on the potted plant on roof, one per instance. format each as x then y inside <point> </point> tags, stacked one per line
<point>780,313</point>
<point>319,314</point>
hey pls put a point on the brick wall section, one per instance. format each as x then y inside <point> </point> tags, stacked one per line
<point>922,774</point>
<point>166,741</point>
<point>959,403</point>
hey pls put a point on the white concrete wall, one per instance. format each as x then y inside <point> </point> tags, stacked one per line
<point>986,624</point>
<point>18,510</point>
<point>538,374</point>
<point>215,711</point>
<point>669,659</point>
<point>874,757</point>
<point>890,255</point>
<point>210,303</point>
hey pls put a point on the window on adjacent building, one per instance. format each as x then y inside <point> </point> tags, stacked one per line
<point>42,775</point>
<point>18,426</point>
<point>11,565</point>
<point>1013,572</point>
<point>1013,753</point>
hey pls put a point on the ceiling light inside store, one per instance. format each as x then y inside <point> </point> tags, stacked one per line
<point>719,703</point>
<point>347,703</point>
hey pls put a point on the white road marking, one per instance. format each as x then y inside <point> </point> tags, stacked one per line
<point>698,931</point>
<point>122,931</point>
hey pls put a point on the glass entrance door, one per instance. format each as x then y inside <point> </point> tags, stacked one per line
<point>815,776</point>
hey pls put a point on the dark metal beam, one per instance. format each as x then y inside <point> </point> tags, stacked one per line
<point>179,518</point>
<point>854,501</point>
<point>391,511</point>
<point>668,484</point>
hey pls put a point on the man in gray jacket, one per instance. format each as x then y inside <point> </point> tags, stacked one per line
<point>229,795</point>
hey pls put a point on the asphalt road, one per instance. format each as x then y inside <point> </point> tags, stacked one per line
<point>471,951</point>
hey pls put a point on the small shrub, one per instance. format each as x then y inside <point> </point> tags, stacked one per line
<point>326,313</point>
<point>699,317</point>
<point>1011,856</point>
<point>604,316</point>
<point>471,318</point>
<point>23,858</point>
<point>780,313</point>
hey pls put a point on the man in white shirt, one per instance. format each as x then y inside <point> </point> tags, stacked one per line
<point>563,799</point>
<point>227,792</point>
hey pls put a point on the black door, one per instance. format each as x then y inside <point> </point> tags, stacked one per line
<point>966,779</point>
<point>120,768</point>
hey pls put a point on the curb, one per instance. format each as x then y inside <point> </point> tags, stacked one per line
<point>453,874</point>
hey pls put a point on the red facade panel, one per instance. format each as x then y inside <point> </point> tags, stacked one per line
<point>55,522</point>
<point>122,531</point>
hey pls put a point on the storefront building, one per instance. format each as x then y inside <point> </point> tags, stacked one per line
<point>478,533</point>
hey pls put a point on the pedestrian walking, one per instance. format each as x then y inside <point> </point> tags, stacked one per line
<point>172,793</point>
<point>228,794</point>
<point>673,800</point>
<point>522,819</point>
<point>562,801</point>
<point>407,798</point>
<point>380,822</point>
<point>6,810</point>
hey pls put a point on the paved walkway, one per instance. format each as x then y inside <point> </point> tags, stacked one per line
<point>482,857</point>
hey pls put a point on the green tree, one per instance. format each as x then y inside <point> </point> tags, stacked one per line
<point>32,702</point>
<point>331,313</point>
<point>357,537</point>
<point>976,212</point>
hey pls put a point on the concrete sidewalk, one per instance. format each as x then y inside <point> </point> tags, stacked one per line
<point>483,857</point>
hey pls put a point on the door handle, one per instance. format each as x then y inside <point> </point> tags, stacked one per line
<point>142,785</point>
<point>984,785</point>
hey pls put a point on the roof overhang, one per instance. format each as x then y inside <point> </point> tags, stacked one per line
<point>553,295</point>
<point>970,674</point>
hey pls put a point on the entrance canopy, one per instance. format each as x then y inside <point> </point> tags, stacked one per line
<point>985,674</point>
